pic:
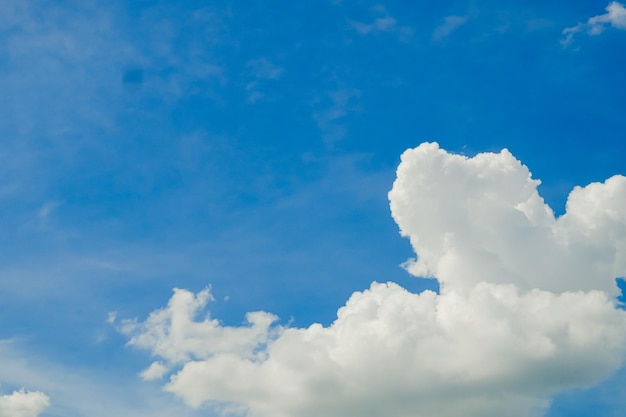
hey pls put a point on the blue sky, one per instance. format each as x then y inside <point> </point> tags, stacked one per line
<point>250,147</point>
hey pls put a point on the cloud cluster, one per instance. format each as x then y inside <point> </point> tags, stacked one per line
<point>526,309</point>
<point>23,404</point>
<point>615,16</point>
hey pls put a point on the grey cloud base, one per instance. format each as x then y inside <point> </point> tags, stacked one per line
<point>526,310</point>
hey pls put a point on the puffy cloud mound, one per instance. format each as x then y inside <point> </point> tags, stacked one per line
<point>615,16</point>
<point>23,404</point>
<point>526,309</point>
<point>482,219</point>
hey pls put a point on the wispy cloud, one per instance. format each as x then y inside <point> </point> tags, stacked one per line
<point>382,24</point>
<point>261,70</point>
<point>385,23</point>
<point>328,118</point>
<point>449,24</point>
<point>615,16</point>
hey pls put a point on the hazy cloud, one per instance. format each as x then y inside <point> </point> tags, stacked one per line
<point>261,69</point>
<point>526,309</point>
<point>381,24</point>
<point>615,16</point>
<point>338,104</point>
<point>449,24</point>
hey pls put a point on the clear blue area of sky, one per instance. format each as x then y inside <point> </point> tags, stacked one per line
<point>250,146</point>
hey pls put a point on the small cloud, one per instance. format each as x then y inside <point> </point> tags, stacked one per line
<point>449,24</point>
<point>112,316</point>
<point>155,371</point>
<point>615,16</point>
<point>46,209</point>
<point>382,24</point>
<point>328,119</point>
<point>264,69</point>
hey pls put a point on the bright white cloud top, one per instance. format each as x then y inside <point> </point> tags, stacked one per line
<point>23,404</point>
<point>526,309</point>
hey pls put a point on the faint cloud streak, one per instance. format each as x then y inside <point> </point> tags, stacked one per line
<point>449,24</point>
<point>382,24</point>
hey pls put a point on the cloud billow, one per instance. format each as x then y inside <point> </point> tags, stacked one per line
<point>526,309</point>
<point>23,404</point>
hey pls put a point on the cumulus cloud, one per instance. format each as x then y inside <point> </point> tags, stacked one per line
<point>526,309</point>
<point>482,219</point>
<point>174,334</point>
<point>615,16</point>
<point>23,404</point>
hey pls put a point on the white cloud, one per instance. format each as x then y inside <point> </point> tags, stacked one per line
<point>449,24</point>
<point>156,370</point>
<point>615,16</point>
<point>482,219</point>
<point>526,309</point>
<point>23,404</point>
<point>173,334</point>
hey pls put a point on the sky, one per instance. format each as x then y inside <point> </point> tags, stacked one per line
<point>331,207</point>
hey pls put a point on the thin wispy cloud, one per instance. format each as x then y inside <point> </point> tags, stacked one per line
<point>261,70</point>
<point>336,106</point>
<point>384,23</point>
<point>525,310</point>
<point>449,24</point>
<point>615,17</point>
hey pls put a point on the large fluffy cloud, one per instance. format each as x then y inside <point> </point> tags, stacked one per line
<point>23,404</point>
<point>615,16</point>
<point>482,219</point>
<point>526,309</point>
